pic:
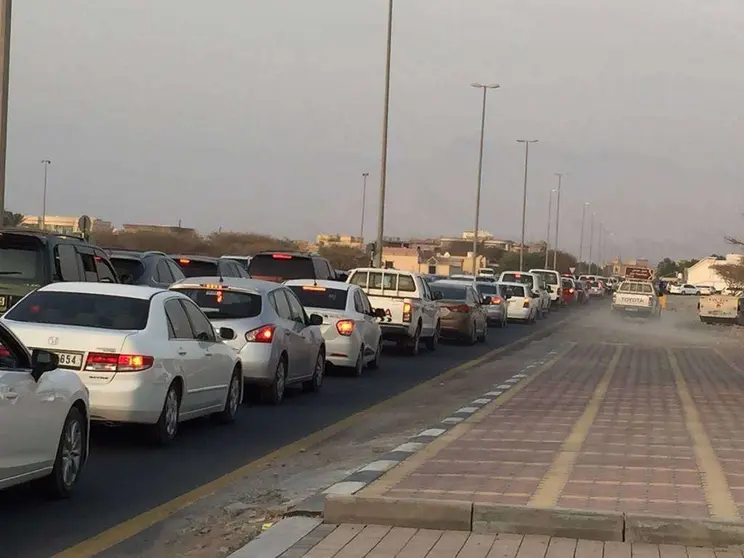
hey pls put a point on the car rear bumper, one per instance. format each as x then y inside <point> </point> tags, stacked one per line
<point>396,332</point>
<point>455,325</point>
<point>636,310</point>
<point>519,313</point>
<point>130,397</point>
<point>259,362</point>
<point>342,351</point>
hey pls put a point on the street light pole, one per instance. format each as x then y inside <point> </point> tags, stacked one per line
<point>5,13</point>
<point>581,241</point>
<point>599,245</point>
<point>485,89</point>
<point>46,163</point>
<point>557,220</point>
<point>524,198</point>
<point>364,201</point>
<point>591,241</point>
<point>385,122</point>
<point>547,237</point>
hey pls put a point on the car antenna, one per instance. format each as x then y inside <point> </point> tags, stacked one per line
<point>222,279</point>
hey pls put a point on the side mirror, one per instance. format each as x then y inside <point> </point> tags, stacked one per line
<point>535,295</point>
<point>507,296</point>
<point>437,295</point>
<point>41,362</point>
<point>379,313</point>
<point>316,319</point>
<point>549,288</point>
<point>486,300</point>
<point>227,333</point>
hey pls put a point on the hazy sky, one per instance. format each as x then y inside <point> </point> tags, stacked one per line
<point>261,115</point>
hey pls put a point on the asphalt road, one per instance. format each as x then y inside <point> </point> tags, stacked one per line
<point>126,477</point>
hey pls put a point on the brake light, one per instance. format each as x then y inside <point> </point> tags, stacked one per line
<point>570,291</point>
<point>526,304</point>
<point>345,327</point>
<point>184,261</point>
<point>496,300</point>
<point>111,362</point>
<point>459,308</point>
<point>281,256</point>
<point>313,288</point>
<point>4,352</point>
<point>407,311</point>
<point>263,334</point>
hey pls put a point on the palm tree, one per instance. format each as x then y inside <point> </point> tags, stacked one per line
<point>13,219</point>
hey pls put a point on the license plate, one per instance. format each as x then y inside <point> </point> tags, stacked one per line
<point>631,309</point>
<point>73,361</point>
<point>3,301</point>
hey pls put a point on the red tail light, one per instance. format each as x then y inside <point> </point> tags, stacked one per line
<point>459,308</point>
<point>263,334</point>
<point>111,362</point>
<point>4,352</point>
<point>570,291</point>
<point>496,300</point>
<point>526,304</point>
<point>407,311</point>
<point>345,327</point>
<point>281,256</point>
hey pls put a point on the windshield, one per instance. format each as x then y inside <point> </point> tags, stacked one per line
<point>128,266</point>
<point>321,297</point>
<point>198,268</point>
<point>225,304</point>
<point>21,258</point>
<point>549,278</point>
<point>82,309</point>
<point>281,268</point>
<point>450,292</point>
<point>513,290</point>
<point>487,289</point>
<point>518,278</point>
<point>384,281</point>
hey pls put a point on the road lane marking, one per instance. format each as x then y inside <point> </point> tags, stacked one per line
<point>395,475</point>
<point>554,482</point>
<point>720,501</point>
<point>135,525</point>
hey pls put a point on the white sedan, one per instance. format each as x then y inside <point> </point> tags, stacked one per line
<point>684,289</point>
<point>147,356</point>
<point>44,419</point>
<point>352,334</point>
<point>522,303</point>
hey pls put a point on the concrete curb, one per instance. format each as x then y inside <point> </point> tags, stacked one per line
<point>524,520</point>
<point>277,540</point>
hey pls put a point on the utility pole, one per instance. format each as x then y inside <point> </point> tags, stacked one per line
<point>385,122</point>
<point>46,163</point>
<point>547,237</point>
<point>599,247</point>
<point>364,201</point>
<point>485,89</point>
<point>5,17</point>
<point>591,241</point>
<point>560,176</point>
<point>581,241</point>
<point>524,198</point>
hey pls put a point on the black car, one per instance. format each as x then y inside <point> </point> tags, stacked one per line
<point>153,269</point>
<point>283,266</point>
<point>31,258</point>
<point>206,266</point>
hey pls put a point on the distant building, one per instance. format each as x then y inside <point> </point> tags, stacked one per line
<point>704,272</point>
<point>62,224</point>
<point>419,261</point>
<point>163,229</point>
<point>345,240</point>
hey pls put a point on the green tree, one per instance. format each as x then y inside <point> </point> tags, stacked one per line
<point>11,219</point>
<point>667,267</point>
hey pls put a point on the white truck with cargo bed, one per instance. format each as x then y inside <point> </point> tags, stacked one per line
<point>411,310</point>
<point>636,298</point>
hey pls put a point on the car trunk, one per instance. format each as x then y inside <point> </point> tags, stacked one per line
<point>240,326</point>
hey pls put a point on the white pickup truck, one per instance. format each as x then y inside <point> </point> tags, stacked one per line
<point>637,298</point>
<point>411,311</point>
<point>721,309</point>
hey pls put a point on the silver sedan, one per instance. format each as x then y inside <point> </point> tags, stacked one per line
<point>278,343</point>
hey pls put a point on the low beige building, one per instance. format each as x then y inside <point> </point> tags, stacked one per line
<point>62,224</point>
<point>418,261</point>
<point>346,240</point>
<point>704,272</point>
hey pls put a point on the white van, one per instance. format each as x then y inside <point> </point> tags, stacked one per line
<point>553,280</point>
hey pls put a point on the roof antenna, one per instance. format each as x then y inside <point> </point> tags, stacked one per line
<point>222,279</point>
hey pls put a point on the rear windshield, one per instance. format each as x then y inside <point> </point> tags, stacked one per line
<point>280,267</point>
<point>321,297</point>
<point>487,289</point>
<point>629,287</point>
<point>21,258</point>
<point>549,278</point>
<point>225,304</point>
<point>198,268</point>
<point>242,262</point>
<point>450,292</point>
<point>566,283</point>
<point>513,290</point>
<point>128,267</point>
<point>384,281</point>
<point>518,278</point>
<point>82,309</point>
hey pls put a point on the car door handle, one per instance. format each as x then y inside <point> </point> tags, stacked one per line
<point>207,354</point>
<point>181,352</point>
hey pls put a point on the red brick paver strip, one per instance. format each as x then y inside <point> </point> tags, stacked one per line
<point>448,545</point>
<point>560,548</point>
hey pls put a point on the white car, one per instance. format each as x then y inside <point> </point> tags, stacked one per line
<point>536,284</point>
<point>706,290</point>
<point>147,356</point>
<point>277,342</point>
<point>352,333</point>
<point>684,289</point>
<point>44,419</point>
<point>523,304</point>
<point>553,280</point>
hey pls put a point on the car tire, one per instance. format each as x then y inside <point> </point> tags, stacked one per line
<point>165,430</point>
<point>473,338</point>
<point>70,457</point>
<point>413,344</point>
<point>314,384</point>
<point>374,364</point>
<point>358,368</point>
<point>233,399</point>
<point>484,336</point>
<point>433,341</point>
<point>274,393</point>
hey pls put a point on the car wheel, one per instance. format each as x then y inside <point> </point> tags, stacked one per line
<point>316,382</point>
<point>375,363</point>
<point>473,338</point>
<point>70,456</point>
<point>165,430</point>
<point>504,321</point>
<point>433,341</point>
<point>232,402</point>
<point>274,393</point>
<point>413,346</point>
<point>484,336</point>
<point>359,364</point>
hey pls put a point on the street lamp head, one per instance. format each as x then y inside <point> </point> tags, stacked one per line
<point>485,85</point>
<point>46,161</point>
<point>527,141</point>
<point>365,174</point>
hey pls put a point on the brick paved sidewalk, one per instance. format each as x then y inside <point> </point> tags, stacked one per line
<point>373,541</point>
<point>605,426</point>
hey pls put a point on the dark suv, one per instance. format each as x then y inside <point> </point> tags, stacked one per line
<point>205,266</point>
<point>30,259</point>
<point>153,269</point>
<point>283,266</point>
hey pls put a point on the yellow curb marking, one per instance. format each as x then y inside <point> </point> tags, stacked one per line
<point>405,468</point>
<point>720,501</point>
<point>131,527</point>
<point>555,479</point>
